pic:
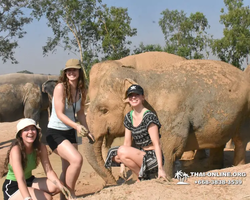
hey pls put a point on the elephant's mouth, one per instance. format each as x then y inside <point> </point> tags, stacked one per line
<point>108,131</point>
<point>91,138</point>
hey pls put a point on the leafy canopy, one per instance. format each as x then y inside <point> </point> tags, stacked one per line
<point>87,27</point>
<point>235,45</point>
<point>185,36</point>
<point>12,20</point>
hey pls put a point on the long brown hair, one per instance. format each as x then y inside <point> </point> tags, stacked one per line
<point>19,142</point>
<point>81,86</point>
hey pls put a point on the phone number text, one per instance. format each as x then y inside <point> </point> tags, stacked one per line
<point>219,182</point>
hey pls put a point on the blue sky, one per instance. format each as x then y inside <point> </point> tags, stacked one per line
<point>145,15</point>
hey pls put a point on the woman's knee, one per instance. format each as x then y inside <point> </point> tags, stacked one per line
<point>53,189</point>
<point>122,152</point>
<point>56,191</point>
<point>76,160</point>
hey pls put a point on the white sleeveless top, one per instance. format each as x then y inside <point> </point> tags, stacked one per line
<point>56,123</point>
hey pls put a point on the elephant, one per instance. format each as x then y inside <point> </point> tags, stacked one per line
<point>201,104</point>
<point>21,96</point>
<point>142,62</point>
<point>230,144</point>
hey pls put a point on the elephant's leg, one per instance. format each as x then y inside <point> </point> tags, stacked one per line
<point>216,157</point>
<point>239,151</point>
<point>174,144</point>
<point>200,154</point>
<point>43,122</point>
<point>240,141</point>
<point>171,153</point>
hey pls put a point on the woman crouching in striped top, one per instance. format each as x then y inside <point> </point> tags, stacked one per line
<point>143,126</point>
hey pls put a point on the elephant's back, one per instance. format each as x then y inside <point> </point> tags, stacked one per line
<point>151,60</point>
<point>20,78</point>
<point>201,76</point>
<point>197,87</point>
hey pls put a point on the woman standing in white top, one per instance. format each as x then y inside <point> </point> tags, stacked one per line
<point>68,99</point>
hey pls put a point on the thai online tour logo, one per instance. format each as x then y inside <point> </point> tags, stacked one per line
<point>224,178</point>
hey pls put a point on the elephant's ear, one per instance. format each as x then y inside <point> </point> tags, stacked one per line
<point>49,86</point>
<point>127,82</point>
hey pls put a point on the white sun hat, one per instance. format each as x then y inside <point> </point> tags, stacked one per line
<point>24,123</point>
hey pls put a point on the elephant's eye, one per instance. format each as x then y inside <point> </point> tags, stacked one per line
<point>104,110</point>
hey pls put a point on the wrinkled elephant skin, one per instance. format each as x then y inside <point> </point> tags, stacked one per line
<point>21,96</point>
<point>201,104</point>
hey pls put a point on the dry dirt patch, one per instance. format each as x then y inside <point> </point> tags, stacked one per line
<point>90,185</point>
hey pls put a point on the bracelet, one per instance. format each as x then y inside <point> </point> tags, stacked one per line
<point>27,198</point>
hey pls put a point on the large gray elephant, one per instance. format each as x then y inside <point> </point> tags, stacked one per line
<point>200,103</point>
<point>21,96</point>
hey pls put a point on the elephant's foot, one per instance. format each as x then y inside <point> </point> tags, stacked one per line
<point>239,156</point>
<point>239,151</point>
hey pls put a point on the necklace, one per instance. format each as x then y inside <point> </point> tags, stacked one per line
<point>74,105</point>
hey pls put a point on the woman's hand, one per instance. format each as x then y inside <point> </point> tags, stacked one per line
<point>162,174</point>
<point>82,130</point>
<point>66,193</point>
<point>85,133</point>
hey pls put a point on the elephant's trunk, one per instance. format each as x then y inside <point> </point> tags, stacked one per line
<point>93,154</point>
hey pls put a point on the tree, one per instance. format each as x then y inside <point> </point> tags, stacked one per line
<point>12,20</point>
<point>150,47</point>
<point>114,27</point>
<point>235,45</point>
<point>86,27</point>
<point>71,23</point>
<point>185,36</point>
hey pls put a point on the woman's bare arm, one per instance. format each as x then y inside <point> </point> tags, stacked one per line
<point>16,163</point>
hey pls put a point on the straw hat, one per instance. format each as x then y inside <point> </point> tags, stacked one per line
<point>24,123</point>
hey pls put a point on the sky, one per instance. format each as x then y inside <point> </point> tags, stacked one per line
<point>145,16</point>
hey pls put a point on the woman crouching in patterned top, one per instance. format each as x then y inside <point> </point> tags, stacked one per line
<point>143,126</point>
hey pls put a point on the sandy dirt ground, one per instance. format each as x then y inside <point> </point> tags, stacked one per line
<point>91,186</point>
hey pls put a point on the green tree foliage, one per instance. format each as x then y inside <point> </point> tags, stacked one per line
<point>185,36</point>
<point>150,47</point>
<point>87,27</point>
<point>71,23</point>
<point>235,45</point>
<point>114,27</point>
<point>12,20</point>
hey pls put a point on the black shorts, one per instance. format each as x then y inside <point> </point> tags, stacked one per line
<point>56,137</point>
<point>11,187</point>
